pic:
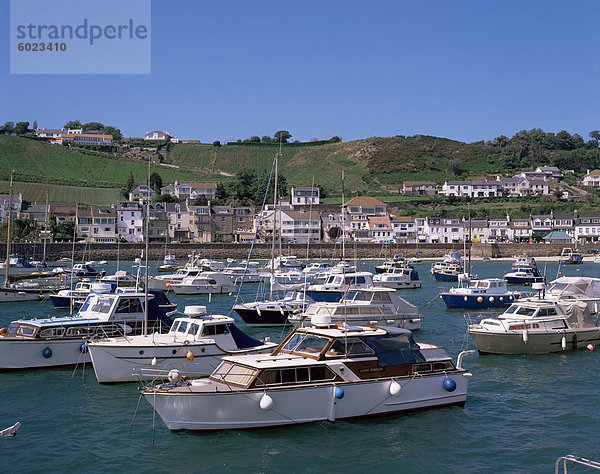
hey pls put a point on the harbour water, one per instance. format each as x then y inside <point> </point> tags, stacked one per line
<point>522,412</point>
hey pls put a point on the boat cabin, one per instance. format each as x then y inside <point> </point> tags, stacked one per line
<point>316,355</point>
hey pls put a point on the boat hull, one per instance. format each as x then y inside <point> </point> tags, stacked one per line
<point>399,285</point>
<point>200,289</point>
<point>10,296</point>
<point>266,317</point>
<point>23,354</point>
<point>211,411</point>
<point>445,277</point>
<point>473,301</point>
<point>537,343</point>
<point>523,281</point>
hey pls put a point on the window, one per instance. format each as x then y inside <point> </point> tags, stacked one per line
<point>352,347</point>
<point>215,329</point>
<point>236,374</point>
<point>130,305</point>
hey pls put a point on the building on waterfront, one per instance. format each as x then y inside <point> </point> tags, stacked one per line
<point>472,189</point>
<point>587,229</point>
<point>130,221</point>
<point>404,229</point>
<point>97,225</point>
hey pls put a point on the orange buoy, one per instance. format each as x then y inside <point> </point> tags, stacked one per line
<point>189,356</point>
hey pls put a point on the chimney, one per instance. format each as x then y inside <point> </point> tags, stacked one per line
<point>575,214</point>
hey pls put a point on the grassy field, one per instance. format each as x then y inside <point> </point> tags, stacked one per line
<point>35,161</point>
<point>34,192</point>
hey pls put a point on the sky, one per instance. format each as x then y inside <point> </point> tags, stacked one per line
<point>468,70</point>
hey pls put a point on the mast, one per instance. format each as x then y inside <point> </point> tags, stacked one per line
<point>343,221</point>
<point>46,229</point>
<point>9,217</point>
<point>279,201</point>
<point>147,238</point>
<point>274,224</point>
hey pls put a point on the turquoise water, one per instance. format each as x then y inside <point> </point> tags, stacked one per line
<point>522,412</point>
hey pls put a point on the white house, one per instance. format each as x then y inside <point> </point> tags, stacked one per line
<point>404,229</point>
<point>17,204</point>
<point>157,135</point>
<point>380,229</point>
<point>97,225</point>
<point>305,195</point>
<point>48,132</point>
<point>472,188</point>
<point>587,229</point>
<point>130,221</point>
<point>592,178</point>
<point>443,230</point>
<point>521,230</point>
<point>190,190</point>
<point>294,226</point>
<point>142,191</point>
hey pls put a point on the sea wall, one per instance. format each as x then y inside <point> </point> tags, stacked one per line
<point>353,250</point>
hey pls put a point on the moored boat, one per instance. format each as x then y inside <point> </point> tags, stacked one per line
<point>323,372</point>
<point>60,341</point>
<point>193,346</point>
<point>398,278</point>
<point>536,326</point>
<point>449,268</point>
<point>484,293</point>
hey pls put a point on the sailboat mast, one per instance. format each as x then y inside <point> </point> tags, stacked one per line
<point>46,228</point>
<point>274,223</point>
<point>343,221</point>
<point>279,201</point>
<point>147,237</point>
<point>9,217</point>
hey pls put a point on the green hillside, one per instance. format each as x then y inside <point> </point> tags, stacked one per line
<point>375,166</point>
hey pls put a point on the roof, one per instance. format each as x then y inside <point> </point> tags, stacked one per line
<point>48,130</point>
<point>72,135</point>
<point>538,182</point>
<point>364,201</point>
<point>418,183</point>
<point>402,219</point>
<point>548,168</point>
<point>557,235</point>
<point>594,173</point>
<point>474,183</point>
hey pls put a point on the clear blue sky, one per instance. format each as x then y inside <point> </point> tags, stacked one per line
<point>467,70</point>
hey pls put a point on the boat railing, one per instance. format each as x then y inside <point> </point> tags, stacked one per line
<point>571,460</point>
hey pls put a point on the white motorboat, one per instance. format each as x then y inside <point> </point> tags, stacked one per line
<point>160,282</point>
<point>397,262</point>
<point>74,298</point>
<point>18,266</point>
<point>169,264</point>
<point>398,278</point>
<point>585,289</point>
<point>284,263</point>
<point>194,346</point>
<point>524,271</point>
<point>370,306</point>
<point>60,341</point>
<point>335,285</point>
<point>324,372</point>
<point>536,326</point>
<point>121,278</point>
<point>249,274</point>
<point>203,283</point>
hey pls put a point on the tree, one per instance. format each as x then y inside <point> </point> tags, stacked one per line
<point>334,233</point>
<point>266,139</point>
<point>217,143</point>
<point>156,182</point>
<point>221,193</point>
<point>73,124</point>
<point>8,128</point>
<point>21,128</point>
<point>282,135</point>
<point>35,125</point>
<point>115,132</point>
<point>128,186</point>
<point>92,126</point>
<point>166,198</point>
<point>253,139</point>
<point>200,201</point>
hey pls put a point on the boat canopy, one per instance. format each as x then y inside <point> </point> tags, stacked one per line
<point>396,347</point>
<point>575,286</point>
<point>243,340</point>
<point>577,314</point>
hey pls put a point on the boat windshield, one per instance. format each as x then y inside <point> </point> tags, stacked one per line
<point>234,373</point>
<point>520,310</point>
<point>306,344</point>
